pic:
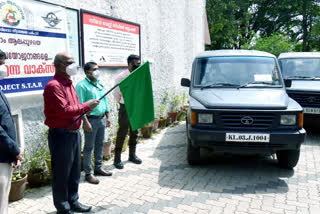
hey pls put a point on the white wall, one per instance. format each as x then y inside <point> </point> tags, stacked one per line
<point>172,34</point>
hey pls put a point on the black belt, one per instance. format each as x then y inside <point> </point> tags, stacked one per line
<point>65,130</point>
<point>96,117</point>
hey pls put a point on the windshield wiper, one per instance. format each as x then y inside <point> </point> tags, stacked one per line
<point>299,77</point>
<point>256,82</point>
<point>219,84</point>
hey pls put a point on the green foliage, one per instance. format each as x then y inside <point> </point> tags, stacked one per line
<point>275,44</point>
<point>184,98</point>
<point>233,23</point>
<point>165,98</point>
<point>16,175</point>
<point>175,103</point>
<point>229,23</point>
<point>161,111</point>
<point>37,161</point>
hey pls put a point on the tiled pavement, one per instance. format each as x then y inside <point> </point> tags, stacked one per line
<point>165,183</point>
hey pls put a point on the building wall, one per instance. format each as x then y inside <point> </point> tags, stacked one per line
<point>172,34</point>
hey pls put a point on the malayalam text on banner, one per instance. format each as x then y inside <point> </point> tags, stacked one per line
<point>31,34</point>
<point>109,41</point>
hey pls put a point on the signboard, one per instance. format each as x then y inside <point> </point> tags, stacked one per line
<point>73,34</point>
<point>31,34</point>
<point>108,41</point>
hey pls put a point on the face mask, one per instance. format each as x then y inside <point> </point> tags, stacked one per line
<point>3,72</point>
<point>134,67</point>
<point>96,74</point>
<point>72,69</point>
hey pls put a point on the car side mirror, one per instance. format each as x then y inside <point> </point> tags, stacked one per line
<point>185,82</point>
<point>287,83</point>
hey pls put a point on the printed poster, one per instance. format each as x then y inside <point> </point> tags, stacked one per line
<point>31,34</point>
<point>108,41</point>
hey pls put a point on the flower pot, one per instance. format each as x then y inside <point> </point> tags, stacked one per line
<point>184,107</point>
<point>181,116</point>
<point>168,121</point>
<point>162,123</point>
<point>106,150</point>
<point>155,125</point>
<point>146,131</point>
<point>17,188</point>
<point>173,116</point>
<point>36,177</point>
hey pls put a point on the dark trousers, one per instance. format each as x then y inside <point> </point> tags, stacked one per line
<point>65,162</point>
<point>124,126</point>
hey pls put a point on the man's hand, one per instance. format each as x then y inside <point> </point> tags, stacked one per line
<point>108,123</point>
<point>20,155</point>
<point>17,165</point>
<point>87,126</point>
<point>93,103</point>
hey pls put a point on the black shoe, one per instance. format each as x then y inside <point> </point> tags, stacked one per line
<point>118,165</point>
<point>65,212</point>
<point>135,159</point>
<point>102,172</point>
<point>91,179</point>
<point>80,208</point>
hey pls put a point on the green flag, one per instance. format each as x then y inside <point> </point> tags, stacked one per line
<point>136,90</point>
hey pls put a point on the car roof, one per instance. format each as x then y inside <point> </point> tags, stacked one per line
<point>299,55</point>
<point>216,53</point>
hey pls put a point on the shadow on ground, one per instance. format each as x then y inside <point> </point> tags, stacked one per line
<point>218,173</point>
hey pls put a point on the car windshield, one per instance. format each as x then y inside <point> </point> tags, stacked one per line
<point>303,68</point>
<point>235,71</point>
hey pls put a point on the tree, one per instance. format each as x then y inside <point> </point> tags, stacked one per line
<point>275,44</point>
<point>293,17</point>
<point>233,23</point>
<point>228,22</point>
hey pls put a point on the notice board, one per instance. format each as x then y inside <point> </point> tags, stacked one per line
<point>108,41</point>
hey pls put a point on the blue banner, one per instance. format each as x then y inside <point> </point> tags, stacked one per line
<point>31,32</point>
<point>14,85</point>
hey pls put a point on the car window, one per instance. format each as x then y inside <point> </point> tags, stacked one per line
<point>300,67</point>
<point>236,70</point>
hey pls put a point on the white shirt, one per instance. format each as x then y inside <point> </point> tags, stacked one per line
<point>117,93</point>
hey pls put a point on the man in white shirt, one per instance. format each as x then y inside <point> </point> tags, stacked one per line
<point>133,63</point>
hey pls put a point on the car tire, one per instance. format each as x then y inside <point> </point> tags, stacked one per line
<point>193,153</point>
<point>288,158</point>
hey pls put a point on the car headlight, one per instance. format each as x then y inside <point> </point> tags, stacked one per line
<point>288,120</point>
<point>205,118</point>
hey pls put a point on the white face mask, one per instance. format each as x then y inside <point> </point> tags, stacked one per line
<point>96,74</point>
<point>3,72</point>
<point>72,69</point>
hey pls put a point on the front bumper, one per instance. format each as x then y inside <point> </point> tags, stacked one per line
<point>215,139</point>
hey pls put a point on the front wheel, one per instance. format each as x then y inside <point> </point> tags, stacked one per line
<point>288,158</point>
<point>193,153</point>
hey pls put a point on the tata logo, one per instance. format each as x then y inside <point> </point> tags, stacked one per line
<point>312,99</point>
<point>11,13</point>
<point>247,120</point>
<point>51,19</point>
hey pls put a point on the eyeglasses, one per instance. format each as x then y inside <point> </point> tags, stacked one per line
<point>66,63</point>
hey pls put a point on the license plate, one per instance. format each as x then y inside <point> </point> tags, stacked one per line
<point>311,110</point>
<point>240,137</point>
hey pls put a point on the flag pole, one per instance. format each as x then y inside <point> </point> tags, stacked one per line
<point>87,111</point>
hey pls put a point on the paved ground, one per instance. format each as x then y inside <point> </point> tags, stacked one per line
<point>165,183</point>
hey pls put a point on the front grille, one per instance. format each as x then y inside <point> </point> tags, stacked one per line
<point>306,100</point>
<point>260,121</point>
